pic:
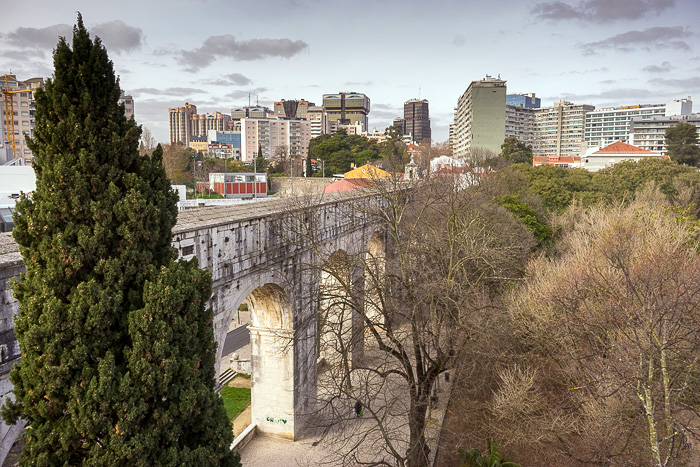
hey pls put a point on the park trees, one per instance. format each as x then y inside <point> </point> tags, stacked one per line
<point>116,341</point>
<point>341,151</point>
<point>400,315</point>
<point>682,143</point>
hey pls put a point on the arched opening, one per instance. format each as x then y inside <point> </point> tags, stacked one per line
<point>375,281</point>
<point>335,312</point>
<point>268,358</point>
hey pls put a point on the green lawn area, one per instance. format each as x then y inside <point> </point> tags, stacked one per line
<point>235,400</point>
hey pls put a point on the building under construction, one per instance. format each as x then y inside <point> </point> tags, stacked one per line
<point>17,120</point>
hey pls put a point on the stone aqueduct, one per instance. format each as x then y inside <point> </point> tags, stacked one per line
<point>255,254</point>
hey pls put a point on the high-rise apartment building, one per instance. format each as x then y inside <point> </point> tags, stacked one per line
<point>267,134</point>
<point>293,108</point>
<point>560,130</point>
<point>416,119</point>
<point>479,118</point>
<point>520,123</point>
<point>186,123</point>
<point>22,121</point>
<point>650,132</point>
<point>202,123</point>
<point>609,125</point>
<point>527,101</point>
<point>318,117</point>
<point>128,102</point>
<point>179,123</point>
<point>347,108</point>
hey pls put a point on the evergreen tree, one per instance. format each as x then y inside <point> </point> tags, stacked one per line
<point>682,143</point>
<point>515,151</point>
<point>116,343</point>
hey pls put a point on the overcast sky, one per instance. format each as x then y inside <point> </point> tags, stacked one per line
<point>213,53</point>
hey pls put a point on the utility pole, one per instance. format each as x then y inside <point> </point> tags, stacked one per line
<point>194,177</point>
<point>255,178</point>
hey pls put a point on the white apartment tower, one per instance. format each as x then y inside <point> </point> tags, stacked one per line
<point>560,130</point>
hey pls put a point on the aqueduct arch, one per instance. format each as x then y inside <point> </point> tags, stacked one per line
<point>249,254</point>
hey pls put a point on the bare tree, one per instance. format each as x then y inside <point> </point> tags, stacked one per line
<point>281,157</point>
<point>613,329</point>
<point>148,142</point>
<point>397,314</point>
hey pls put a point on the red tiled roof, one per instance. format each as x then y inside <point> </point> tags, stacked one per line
<point>622,148</point>
<point>554,159</point>
<point>347,184</point>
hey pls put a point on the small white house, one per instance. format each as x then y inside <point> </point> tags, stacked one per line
<point>614,153</point>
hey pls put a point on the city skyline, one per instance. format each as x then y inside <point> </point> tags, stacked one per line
<point>598,52</point>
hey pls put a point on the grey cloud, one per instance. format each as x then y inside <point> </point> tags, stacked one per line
<point>585,72</point>
<point>358,83</point>
<point>384,114</point>
<point>384,107</point>
<point>601,11</point>
<point>608,81</point>
<point>175,91</point>
<point>243,94</point>
<point>663,68</point>
<point>659,37</point>
<point>21,54</point>
<point>233,78</point>
<point>118,36</point>
<point>228,47</point>
<point>687,83</point>
<point>556,11</point>
<point>616,94</point>
<point>38,38</point>
<point>161,51</point>
<point>459,40</point>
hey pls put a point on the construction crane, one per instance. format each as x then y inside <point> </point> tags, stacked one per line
<point>10,113</point>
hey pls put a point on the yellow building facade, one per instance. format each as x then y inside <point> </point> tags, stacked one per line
<point>367,171</point>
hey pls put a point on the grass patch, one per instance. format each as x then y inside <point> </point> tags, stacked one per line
<point>235,400</point>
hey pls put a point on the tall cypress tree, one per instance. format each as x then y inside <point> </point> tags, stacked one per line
<point>117,348</point>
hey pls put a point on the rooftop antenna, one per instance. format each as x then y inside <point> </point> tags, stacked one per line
<point>419,92</point>
<point>248,99</point>
<point>257,100</point>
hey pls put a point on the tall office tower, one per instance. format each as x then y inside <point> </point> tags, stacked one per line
<point>179,122</point>
<point>293,108</point>
<point>560,130</point>
<point>267,134</point>
<point>22,121</point>
<point>416,119</point>
<point>650,132</point>
<point>520,123</point>
<point>527,101</point>
<point>318,117</point>
<point>249,111</point>
<point>401,123</point>
<point>480,117</point>
<point>128,102</point>
<point>347,108</point>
